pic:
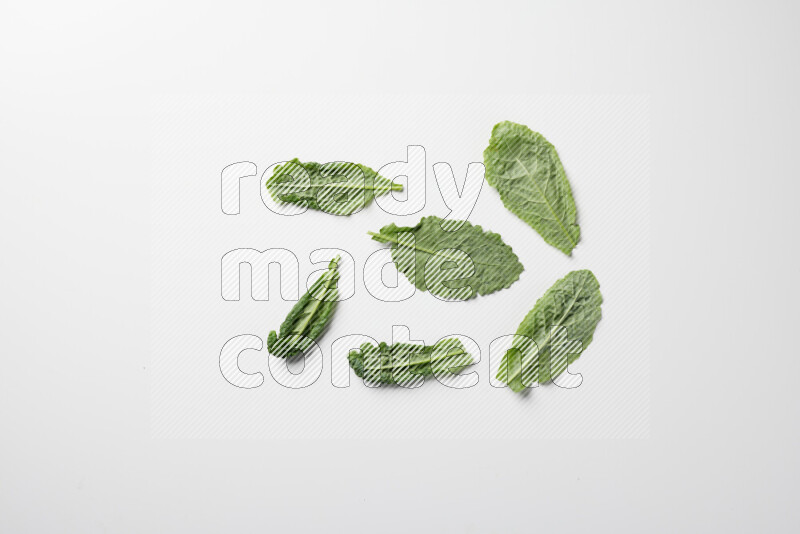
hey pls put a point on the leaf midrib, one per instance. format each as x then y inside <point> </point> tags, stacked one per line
<point>346,185</point>
<point>399,244</point>
<point>418,363</point>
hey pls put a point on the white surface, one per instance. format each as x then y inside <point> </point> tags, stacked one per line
<point>603,142</point>
<point>77,453</point>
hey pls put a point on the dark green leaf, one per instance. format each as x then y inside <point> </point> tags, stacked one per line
<point>308,317</point>
<point>339,188</point>
<point>403,362</point>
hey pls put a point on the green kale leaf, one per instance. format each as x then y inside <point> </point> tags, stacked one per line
<point>453,265</point>
<point>338,188</point>
<point>561,325</point>
<point>308,317</point>
<point>525,169</point>
<point>404,362</point>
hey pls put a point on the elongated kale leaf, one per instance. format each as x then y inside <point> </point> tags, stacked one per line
<point>308,317</point>
<point>339,188</point>
<point>437,260</point>
<point>525,169</point>
<point>561,324</point>
<point>403,362</point>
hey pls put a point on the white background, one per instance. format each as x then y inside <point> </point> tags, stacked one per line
<point>603,142</point>
<point>77,453</point>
